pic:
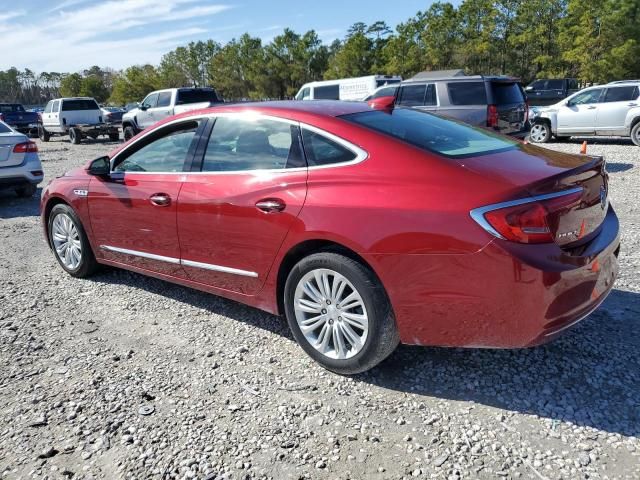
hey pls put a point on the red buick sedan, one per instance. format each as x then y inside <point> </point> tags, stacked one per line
<point>365,227</point>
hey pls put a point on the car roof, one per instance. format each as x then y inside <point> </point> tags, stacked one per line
<point>619,83</point>
<point>321,108</point>
<point>464,78</point>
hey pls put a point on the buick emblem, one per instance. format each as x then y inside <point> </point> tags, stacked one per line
<point>603,197</point>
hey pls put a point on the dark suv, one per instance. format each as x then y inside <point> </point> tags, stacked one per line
<point>547,91</point>
<point>496,102</point>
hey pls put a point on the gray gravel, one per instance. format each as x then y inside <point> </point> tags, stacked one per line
<point>123,376</point>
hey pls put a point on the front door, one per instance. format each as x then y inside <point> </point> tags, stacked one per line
<point>133,211</point>
<point>145,115</point>
<point>578,115</point>
<point>234,215</point>
<point>51,116</point>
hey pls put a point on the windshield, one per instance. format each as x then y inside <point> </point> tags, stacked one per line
<point>199,95</point>
<point>11,108</point>
<point>433,133</point>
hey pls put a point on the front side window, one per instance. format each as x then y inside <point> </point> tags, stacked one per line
<point>467,93</point>
<point>621,94</point>
<point>164,99</point>
<point>432,133</point>
<point>56,106</point>
<point>321,150</point>
<point>239,143</point>
<point>304,94</point>
<point>49,106</point>
<point>538,85</point>
<point>384,92</point>
<point>150,101</point>
<point>165,152</point>
<point>328,92</point>
<point>590,96</point>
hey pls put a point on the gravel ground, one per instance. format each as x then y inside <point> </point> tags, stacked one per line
<point>123,376</point>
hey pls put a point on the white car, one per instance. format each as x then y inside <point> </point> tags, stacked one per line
<point>20,167</point>
<point>607,110</point>
<point>161,104</point>
<point>350,89</point>
<point>78,117</point>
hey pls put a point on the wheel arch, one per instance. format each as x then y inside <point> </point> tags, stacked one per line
<point>46,213</point>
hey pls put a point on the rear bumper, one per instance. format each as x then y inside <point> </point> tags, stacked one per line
<point>499,297</point>
<point>29,171</point>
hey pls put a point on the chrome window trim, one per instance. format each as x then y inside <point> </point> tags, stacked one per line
<point>361,154</point>
<point>478,213</point>
<point>178,261</point>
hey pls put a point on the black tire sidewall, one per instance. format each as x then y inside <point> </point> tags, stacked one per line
<point>375,300</point>
<point>74,136</point>
<point>635,134</point>
<point>87,262</point>
<point>26,191</point>
<point>131,133</point>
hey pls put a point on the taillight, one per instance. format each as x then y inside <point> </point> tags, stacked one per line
<point>526,112</point>
<point>26,147</point>
<point>528,220</point>
<point>492,116</point>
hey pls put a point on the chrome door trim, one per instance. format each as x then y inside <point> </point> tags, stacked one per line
<point>218,268</point>
<point>478,213</point>
<point>177,261</point>
<point>151,256</point>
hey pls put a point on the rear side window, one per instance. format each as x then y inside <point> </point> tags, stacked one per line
<point>164,99</point>
<point>328,92</point>
<point>321,150</point>
<point>80,104</point>
<point>196,95</point>
<point>621,94</point>
<point>417,95</point>
<point>467,93</point>
<point>432,133</point>
<point>555,84</point>
<point>505,93</point>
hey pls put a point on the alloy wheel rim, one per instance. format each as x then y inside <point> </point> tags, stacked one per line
<point>66,241</point>
<point>537,133</point>
<point>331,314</point>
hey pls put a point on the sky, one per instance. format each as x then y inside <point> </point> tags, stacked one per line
<point>71,35</point>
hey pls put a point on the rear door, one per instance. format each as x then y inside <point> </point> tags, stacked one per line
<point>234,215</point>
<point>613,109</point>
<point>578,114</point>
<point>465,101</point>
<point>510,102</point>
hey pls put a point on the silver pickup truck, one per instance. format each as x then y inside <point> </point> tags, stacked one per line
<point>161,104</point>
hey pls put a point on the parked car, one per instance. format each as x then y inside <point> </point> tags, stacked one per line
<point>486,101</point>
<point>548,91</point>
<point>357,224</point>
<point>14,115</point>
<point>112,115</point>
<point>78,117</point>
<point>384,91</point>
<point>164,103</point>
<point>20,167</point>
<point>353,89</point>
<point>608,110</point>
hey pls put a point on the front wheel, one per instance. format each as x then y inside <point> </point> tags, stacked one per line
<point>339,313</point>
<point>635,134</point>
<point>69,242</point>
<point>540,132</point>
<point>128,133</point>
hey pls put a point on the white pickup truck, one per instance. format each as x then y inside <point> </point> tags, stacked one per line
<point>161,104</point>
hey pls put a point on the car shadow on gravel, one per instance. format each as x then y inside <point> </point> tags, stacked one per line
<point>12,206</point>
<point>589,377</point>
<point>615,167</point>
<point>599,141</point>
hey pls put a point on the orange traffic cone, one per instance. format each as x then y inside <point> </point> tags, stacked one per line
<point>583,148</point>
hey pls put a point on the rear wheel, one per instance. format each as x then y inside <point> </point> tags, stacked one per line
<point>635,134</point>
<point>339,313</point>
<point>43,134</point>
<point>129,133</point>
<point>75,136</point>
<point>69,242</point>
<point>540,132</point>
<point>26,190</point>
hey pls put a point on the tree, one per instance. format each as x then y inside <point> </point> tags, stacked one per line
<point>70,85</point>
<point>93,86</point>
<point>134,84</point>
<point>355,56</point>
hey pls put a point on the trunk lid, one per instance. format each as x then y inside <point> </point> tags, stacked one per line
<point>7,142</point>
<point>534,171</point>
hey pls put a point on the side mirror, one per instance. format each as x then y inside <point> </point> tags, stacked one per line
<point>529,89</point>
<point>100,167</point>
<point>382,103</point>
<point>143,107</point>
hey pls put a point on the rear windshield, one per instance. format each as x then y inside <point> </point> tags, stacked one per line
<point>11,108</point>
<point>432,133</point>
<point>197,96</point>
<point>74,105</point>
<point>4,128</point>
<point>506,93</point>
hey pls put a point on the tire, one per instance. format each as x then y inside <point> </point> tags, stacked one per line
<point>43,134</point>
<point>75,137</point>
<point>26,191</point>
<point>635,134</point>
<point>59,226</point>
<point>114,137</point>
<point>129,133</point>
<point>540,132</point>
<point>372,310</point>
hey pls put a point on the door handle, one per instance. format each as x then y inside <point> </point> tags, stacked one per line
<point>591,108</point>
<point>160,199</point>
<point>271,205</point>
<point>632,104</point>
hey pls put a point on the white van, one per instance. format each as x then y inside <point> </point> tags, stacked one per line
<point>354,89</point>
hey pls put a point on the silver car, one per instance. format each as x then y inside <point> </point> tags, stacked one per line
<point>608,110</point>
<point>20,167</point>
